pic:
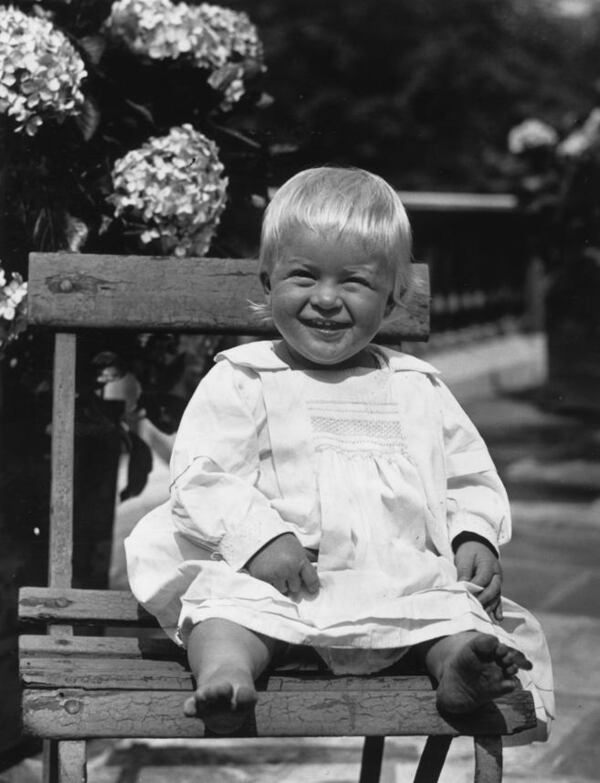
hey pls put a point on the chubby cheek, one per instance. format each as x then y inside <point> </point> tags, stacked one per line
<point>285,317</point>
<point>280,311</point>
<point>286,303</point>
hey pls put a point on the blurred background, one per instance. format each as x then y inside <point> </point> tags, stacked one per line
<point>484,114</point>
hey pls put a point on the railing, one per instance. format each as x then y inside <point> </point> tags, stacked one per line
<point>454,202</point>
<point>476,248</point>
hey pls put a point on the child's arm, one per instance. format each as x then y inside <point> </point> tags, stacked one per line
<point>215,466</point>
<point>476,499</point>
<point>477,505</point>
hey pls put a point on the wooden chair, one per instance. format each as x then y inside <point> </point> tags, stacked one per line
<point>77,686</point>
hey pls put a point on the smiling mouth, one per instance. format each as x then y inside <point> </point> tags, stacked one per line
<point>325,324</point>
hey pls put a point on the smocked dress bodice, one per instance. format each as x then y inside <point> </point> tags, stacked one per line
<point>372,505</point>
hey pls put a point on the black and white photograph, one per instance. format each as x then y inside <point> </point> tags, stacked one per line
<point>299,391</point>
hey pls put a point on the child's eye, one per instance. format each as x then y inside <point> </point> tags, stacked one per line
<point>359,280</point>
<point>304,273</point>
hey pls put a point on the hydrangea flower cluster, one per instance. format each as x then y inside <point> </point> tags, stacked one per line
<point>556,177</point>
<point>535,134</point>
<point>584,140</point>
<point>40,71</point>
<point>531,134</point>
<point>218,39</point>
<point>12,307</point>
<point>11,294</point>
<point>174,186</point>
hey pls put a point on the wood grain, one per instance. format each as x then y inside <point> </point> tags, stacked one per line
<point>79,605</point>
<point>39,646</point>
<point>72,761</point>
<point>61,486</point>
<point>82,291</point>
<point>67,669</point>
<point>73,713</point>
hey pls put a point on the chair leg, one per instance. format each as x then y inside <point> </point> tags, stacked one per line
<point>432,759</point>
<point>372,756</point>
<point>488,759</point>
<point>50,761</point>
<point>72,761</point>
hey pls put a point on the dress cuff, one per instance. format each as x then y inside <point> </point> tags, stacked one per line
<point>475,526</point>
<point>237,546</point>
<point>465,536</point>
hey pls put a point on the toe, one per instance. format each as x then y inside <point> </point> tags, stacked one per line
<point>521,661</point>
<point>243,698</point>
<point>485,647</point>
<point>509,656</point>
<point>220,692</point>
<point>506,655</point>
<point>508,685</point>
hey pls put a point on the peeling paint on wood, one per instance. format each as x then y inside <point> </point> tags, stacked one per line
<point>278,713</point>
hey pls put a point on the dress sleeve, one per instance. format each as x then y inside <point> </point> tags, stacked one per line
<point>476,499</point>
<point>215,468</point>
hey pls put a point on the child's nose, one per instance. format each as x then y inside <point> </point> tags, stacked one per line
<point>326,296</point>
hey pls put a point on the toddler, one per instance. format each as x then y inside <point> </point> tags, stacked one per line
<point>332,493</point>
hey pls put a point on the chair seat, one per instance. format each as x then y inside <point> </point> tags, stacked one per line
<point>99,686</point>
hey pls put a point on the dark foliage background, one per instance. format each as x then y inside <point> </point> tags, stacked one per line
<point>423,93</point>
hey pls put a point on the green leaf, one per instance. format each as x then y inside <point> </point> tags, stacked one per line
<point>236,134</point>
<point>76,233</point>
<point>223,76</point>
<point>89,119</point>
<point>143,110</point>
<point>93,46</point>
<point>265,100</point>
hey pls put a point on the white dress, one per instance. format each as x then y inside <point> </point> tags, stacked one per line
<point>378,470</point>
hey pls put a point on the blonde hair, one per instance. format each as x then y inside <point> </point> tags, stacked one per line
<point>348,201</point>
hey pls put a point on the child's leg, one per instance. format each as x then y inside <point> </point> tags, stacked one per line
<point>225,659</point>
<point>471,668</point>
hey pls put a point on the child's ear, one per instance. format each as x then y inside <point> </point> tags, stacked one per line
<point>266,282</point>
<point>389,306</point>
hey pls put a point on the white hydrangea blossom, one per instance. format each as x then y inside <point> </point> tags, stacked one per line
<point>174,185</point>
<point>531,134</point>
<point>583,139</point>
<point>11,294</point>
<point>40,71</point>
<point>211,37</point>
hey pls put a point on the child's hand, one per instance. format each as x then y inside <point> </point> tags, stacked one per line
<point>285,564</point>
<point>478,564</point>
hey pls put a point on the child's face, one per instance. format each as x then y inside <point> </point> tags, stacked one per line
<point>328,298</point>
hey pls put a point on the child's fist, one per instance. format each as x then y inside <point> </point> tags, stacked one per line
<point>284,563</point>
<point>476,563</point>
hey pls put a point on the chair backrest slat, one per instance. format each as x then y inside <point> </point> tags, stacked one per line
<point>64,605</point>
<point>61,486</point>
<point>83,291</point>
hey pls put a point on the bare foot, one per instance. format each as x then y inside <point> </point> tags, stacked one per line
<point>223,699</point>
<point>478,669</point>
